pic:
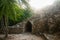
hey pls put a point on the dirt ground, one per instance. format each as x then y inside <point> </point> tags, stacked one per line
<point>29,36</point>
<point>24,36</point>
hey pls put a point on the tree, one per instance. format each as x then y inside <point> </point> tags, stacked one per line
<point>8,9</point>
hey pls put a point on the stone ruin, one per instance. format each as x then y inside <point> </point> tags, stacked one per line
<point>37,25</point>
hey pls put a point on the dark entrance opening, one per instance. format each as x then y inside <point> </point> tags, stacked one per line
<point>28,27</point>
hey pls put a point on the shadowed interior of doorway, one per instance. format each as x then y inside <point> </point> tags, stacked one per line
<point>28,27</point>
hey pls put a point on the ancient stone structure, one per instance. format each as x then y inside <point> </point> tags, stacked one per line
<point>37,25</point>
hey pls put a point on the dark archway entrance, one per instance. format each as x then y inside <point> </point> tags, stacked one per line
<point>28,27</point>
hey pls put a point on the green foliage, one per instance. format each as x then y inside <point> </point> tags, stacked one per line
<point>7,7</point>
<point>20,16</point>
<point>11,9</point>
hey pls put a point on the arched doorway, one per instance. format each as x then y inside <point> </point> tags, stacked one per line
<point>28,27</point>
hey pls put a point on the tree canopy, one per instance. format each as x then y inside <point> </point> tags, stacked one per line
<point>12,9</point>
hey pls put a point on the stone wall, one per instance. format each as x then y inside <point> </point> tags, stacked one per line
<point>50,24</point>
<point>12,31</point>
<point>15,29</point>
<point>39,26</point>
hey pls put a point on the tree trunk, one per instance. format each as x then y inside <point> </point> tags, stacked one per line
<point>2,25</point>
<point>5,19</point>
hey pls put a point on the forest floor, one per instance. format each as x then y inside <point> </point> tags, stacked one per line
<point>24,36</point>
<point>28,36</point>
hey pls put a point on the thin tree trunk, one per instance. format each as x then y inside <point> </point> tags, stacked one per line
<point>5,25</point>
<point>2,25</point>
